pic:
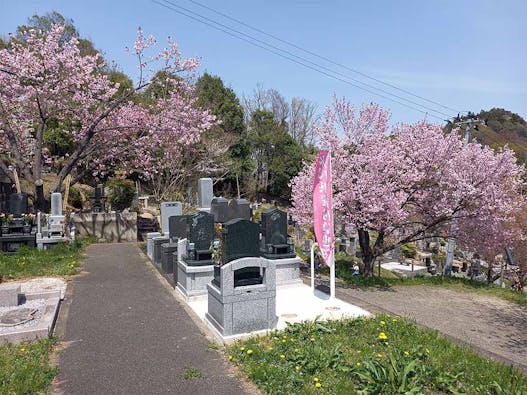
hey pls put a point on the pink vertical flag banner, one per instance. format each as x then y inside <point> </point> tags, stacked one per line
<point>323,206</point>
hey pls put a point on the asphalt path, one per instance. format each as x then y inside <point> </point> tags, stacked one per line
<point>125,333</point>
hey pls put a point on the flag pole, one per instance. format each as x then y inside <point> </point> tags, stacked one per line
<point>332,260</point>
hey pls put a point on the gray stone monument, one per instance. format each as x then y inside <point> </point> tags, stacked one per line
<point>56,219</point>
<point>219,207</point>
<point>242,297</point>
<point>205,194</point>
<point>169,209</point>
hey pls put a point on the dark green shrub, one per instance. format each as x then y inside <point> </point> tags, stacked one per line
<point>75,198</point>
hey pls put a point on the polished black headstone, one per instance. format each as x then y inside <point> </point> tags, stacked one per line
<point>240,239</point>
<point>17,204</point>
<point>201,230</point>
<point>274,226</point>
<point>178,227</point>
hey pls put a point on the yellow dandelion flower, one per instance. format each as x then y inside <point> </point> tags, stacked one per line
<point>297,368</point>
<point>358,364</point>
<point>379,355</point>
<point>23,349</point>
<point>312,339</point>
<point>242,348</point>
<point>230,357</point>
<point>282,356</point>
<point>270,348</point>
<point>383,336</point>
<point>318,385</point>
<point>315,379</point>
<point>406,353</point>
<point>427,350</point>
<point>283,340</point>
<point>249,351</point>
<point>383,323</point>
<point>394,320</point>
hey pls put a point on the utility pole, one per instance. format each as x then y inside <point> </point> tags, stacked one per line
<point>469,124</point>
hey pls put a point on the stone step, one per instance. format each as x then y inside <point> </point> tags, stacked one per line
<point>9,295</point>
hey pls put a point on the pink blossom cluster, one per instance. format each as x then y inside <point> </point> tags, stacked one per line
<point>409,181</point>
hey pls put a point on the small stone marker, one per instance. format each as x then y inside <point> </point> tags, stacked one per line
<point>9,295</point>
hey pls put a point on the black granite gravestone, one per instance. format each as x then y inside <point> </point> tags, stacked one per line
<point>219,208</point>
<point>17,204</point>
<point>178,227</point>
<point>239,208</point>
<point>200,237</point>
<point>275,243</point>
<point>240,238</point>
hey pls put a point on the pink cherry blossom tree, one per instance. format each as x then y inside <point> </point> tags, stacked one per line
<point>45,79</point>
<point>406,183</point>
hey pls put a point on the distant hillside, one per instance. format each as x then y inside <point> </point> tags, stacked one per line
<point>503,127</point>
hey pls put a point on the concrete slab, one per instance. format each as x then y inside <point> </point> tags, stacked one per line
<point>294,303</point>
<point>38,328</point>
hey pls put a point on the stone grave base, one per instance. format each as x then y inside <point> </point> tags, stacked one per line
<point>150,243</point>
<point>405,270</point>
<point>156,248</point>
<point>46,243</point>
<point>192,280</point>
<point>294,303</point>
<point>287,271</point>
<point>34,316</point>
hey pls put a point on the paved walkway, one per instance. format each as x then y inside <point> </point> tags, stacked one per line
<point>491,326</point>
<point>126,334</point>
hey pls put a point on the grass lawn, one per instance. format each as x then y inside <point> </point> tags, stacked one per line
<point>344,272</point>
<point>63,259</point>
<point>25,368</point>
<point>382,355</point>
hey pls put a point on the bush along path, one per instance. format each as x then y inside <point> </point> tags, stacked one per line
<point>382,355</point>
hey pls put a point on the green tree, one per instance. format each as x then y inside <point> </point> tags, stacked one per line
<point>212,94</point>
<point>276,156</point>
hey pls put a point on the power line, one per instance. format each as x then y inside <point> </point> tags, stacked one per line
<point>320,56</point>
<point>229,30</point>
<point>303,60</point>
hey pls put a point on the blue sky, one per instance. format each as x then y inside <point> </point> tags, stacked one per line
<point>467,55</point>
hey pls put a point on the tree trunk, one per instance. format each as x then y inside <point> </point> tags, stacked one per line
<point>367,253</point>
<point>41,204</point>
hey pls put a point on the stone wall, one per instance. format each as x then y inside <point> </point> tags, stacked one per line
<point>109,227</point>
